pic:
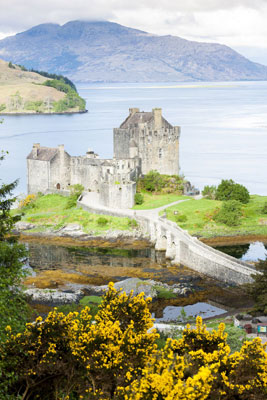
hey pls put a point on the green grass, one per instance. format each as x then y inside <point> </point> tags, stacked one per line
<point>158,200</point>
<point>200,220</point>
<point>51,211</point>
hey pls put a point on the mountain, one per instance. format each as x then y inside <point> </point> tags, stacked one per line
<point>26,92</point>
<point>109,52</point>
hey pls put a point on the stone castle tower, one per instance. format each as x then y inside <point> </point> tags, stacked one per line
<point>148,136</point>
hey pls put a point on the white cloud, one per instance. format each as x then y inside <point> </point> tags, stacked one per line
<point>236,23</point>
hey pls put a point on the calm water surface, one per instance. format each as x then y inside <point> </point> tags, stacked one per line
<point>224,129</point>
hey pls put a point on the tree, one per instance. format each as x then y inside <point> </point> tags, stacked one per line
<point>258,288</point>
<point>209,192</point>
<point>230,213</point>
<point>13,309</point>
<point>229,190</point>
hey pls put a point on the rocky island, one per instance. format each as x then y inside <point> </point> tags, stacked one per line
<point>28,92</point>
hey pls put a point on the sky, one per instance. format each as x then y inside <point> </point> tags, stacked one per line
<point>240,24</point>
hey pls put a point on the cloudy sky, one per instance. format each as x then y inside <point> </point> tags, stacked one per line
<point>240,24</point>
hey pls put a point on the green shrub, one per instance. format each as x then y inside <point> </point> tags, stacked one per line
<point>133,223</point>
<point>264,208</point>
<point>102,221</point>
<point>2,107</point>
<point>10,65</point>
<point>75,192</point>
<point>138,198</point>
<point>71,100</point>
<point>163,293</point>
<point>229,190</point>
<point>230,213</point>
<point>181,218</point>
<point>209,192</point>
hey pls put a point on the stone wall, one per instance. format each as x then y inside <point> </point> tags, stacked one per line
<point>38,175</point>
<point>117,195</point>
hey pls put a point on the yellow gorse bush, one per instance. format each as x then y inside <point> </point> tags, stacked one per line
<point>30,198</point>
<point>116,357</point>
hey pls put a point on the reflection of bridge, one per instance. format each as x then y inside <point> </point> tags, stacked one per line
<point>179,246</point>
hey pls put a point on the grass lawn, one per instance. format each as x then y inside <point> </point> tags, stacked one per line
<point>157,200</point>
<point>200,221</point>
<point>51,211</point>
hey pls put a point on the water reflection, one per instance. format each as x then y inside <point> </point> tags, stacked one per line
<point>251,252</point>
<point>205,310</point>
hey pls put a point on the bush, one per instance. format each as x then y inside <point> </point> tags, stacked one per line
<point>230,213</point>
<point>2,107</point>
<point>28,202</point>
<point>69,357</point>
<point>133,223</point>
<point>75,192</point>
<point>153,181</point>
<point>209,192</point>
<point>264,208</point>
<point>102,221</point>
<point>229,190</point>
<point>138,198</point>
<point>181,218</point>
<point>10,65</point>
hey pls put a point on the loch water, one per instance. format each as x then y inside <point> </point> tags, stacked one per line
<point>72,267</point>
<point>223,128</point>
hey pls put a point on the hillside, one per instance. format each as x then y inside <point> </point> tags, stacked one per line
<point>23,91</point>
<point>109,52</point>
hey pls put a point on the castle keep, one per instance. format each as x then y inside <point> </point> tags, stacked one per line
<point>145,141</point>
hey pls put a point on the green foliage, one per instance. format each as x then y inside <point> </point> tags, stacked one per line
<point>209,192</point>
<point>10,65</point>
<point>62,78</point>
<point>230,213</point>
<point>163,293</point>
<point>264,208</point>
<point>133,223</point>
<point>181,218</point>
<point>71,100</point>
<point>75,192</point>
<point>22,67</point>
<point>102,221</point>
<point>138,198</point>
<point>258,288</point>
<point>37,106</point>
<point>13,309</point>
<point>2,107</point>
<point>153,181</point>
<point>235,337</point>
<point>229,190</point>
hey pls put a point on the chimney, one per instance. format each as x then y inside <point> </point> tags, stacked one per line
<point>132,111</point>
<point>35,149</point>
<point>157,114</point>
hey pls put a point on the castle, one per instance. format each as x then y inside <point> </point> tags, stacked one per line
<point>145,141</point>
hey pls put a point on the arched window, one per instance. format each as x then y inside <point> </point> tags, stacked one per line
<point>58,186</point>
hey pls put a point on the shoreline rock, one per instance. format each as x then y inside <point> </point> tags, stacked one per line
<point>75,231</point>
<point>149,287</point>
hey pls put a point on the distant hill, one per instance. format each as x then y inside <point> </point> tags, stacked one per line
<point>108,52</point>
<point>22,91</point>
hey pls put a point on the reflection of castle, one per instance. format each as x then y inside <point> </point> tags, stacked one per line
<point>145,141</point>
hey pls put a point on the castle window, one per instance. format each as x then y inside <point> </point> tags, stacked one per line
<point>58,186</point>
<point>160,153</point>
<point>122,166</point>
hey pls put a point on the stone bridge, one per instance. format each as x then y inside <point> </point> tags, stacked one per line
<point>179,246</point>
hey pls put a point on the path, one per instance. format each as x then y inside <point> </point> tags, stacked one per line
<point>154,212</point>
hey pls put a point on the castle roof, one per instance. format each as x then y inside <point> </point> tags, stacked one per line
<point>142,118</point>
<point>137,118</point>
<point>43,154</point>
